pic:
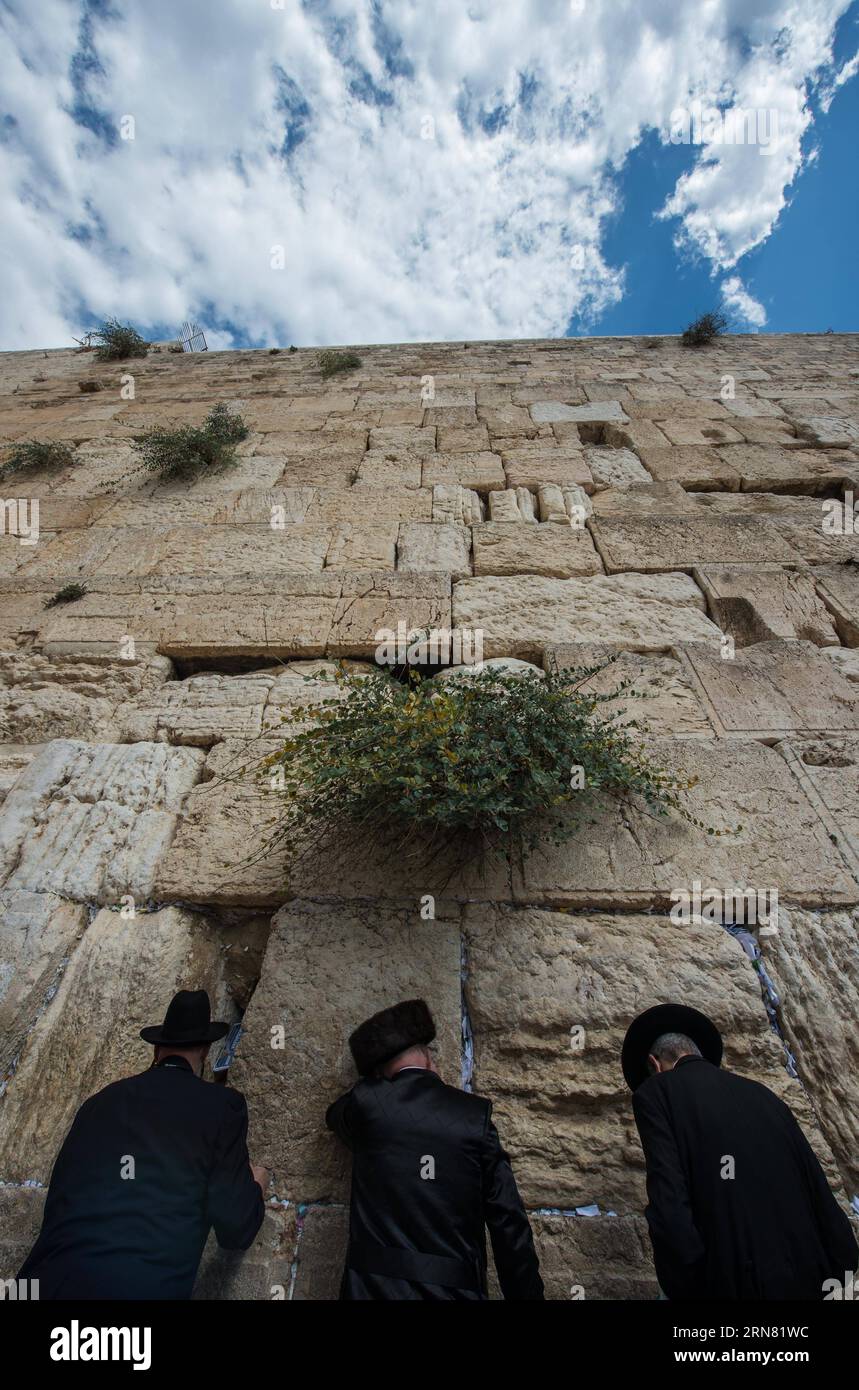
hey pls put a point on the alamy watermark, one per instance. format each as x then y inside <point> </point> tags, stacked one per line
<point>20,517</point>
<point>726,906</point>
<point>697,124</point>
<point>437,646</point>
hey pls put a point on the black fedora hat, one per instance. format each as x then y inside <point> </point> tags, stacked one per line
<point>666,1018</point>
<point>187,1022</point>
<point>390,1032</point>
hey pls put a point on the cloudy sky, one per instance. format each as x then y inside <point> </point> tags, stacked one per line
<point>347,171</point>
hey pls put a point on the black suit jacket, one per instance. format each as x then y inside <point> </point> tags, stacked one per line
<point>141,1237</point>
<point>774,1229</point>
<point>428,1174</point>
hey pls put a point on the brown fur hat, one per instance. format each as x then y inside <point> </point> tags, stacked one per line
<point>390,1032</point>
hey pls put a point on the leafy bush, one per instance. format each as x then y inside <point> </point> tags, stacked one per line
<point>118,340</point>
<point>36,456</point>
<point>68,594</point>
<point>494,762</point>
<point>704,329</point>
<point>332,362</point>
<point>186,453</point>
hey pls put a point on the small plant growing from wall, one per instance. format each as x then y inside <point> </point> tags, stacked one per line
<point>332,362</point>
<point>704,330</point>
<point>36,456</point>
<point>70,593</point>
<point>489,763</point>
<point>187,453</point>
<point>116,341</point>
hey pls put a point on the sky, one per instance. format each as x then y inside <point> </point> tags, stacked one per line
<point>355,171</point>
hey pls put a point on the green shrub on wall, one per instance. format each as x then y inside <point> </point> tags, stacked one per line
<point>187,453</point>
<point>494,762</point>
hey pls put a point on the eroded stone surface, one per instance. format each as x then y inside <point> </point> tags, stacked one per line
<point>520,616</point>
<point>515,548</point>
<point>120,978</point>
<point>550,996</point>
<point>92,821</point>
<point>326,969</point>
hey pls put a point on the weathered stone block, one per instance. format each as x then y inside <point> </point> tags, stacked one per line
<point>550,996</point>
<point>615,467</point>
<point>691,467</point>
<point>120,978</point>
<point>663,698</point>
<point>772,689</point>
<point>520,616</point>
<point>760,603</point>
<point>480,471</point>
<point>326,969</point>
<point>91,821</point>
<point>516,548</point>
<point>431,547</point>
<point>652,544</point>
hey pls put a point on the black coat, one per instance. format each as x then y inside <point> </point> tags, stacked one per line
<point>105,1236</point>
<point>774,1229</point>
<point>423,1237</point>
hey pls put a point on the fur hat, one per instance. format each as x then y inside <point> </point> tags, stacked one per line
<point>390,1032</point>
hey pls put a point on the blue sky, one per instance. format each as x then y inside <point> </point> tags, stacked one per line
<point>330,171</point>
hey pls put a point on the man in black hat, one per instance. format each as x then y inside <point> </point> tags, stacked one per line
<point>149,1165</point>
<point>428,1175</point>
<point>738,1206</point>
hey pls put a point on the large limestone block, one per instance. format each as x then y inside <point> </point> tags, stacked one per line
<point>481,471</point>
<point>381,469</point>
<point>434,547</point>
<point>806,536</point>
<point>593,412</point>
<point>828,768</point>
<point>326,969</point>
<point>693,468</point>
<point>506,548</point>
<point>200,711</point>
<point>321,1253</point>
<point>550,996</point>
<point>365,504</point>
<point>221,852</point>
<point>829,431</point>
<point>91,821</point>
<point>375,603</point>
<point>594,1257</point>
<point>651,544</point>
<point>520,616</point>
<point>771,468</point>
<point>615,467</point>
<point>363,547</point>
<point>699,432</point>
<point>457,505</point>
<point>545,461</point>
<point>249,550</point>
<point>760,603</point>
<point>838,587</point>
<point>41,699</point>
<point>262,1273</point>
<point>38,932</point>
<point>644,499</point>
<point>813,961</point>
<point>774,836</point>
<point>772,689</point>
<point>662,698</point>
<point>121,977</point>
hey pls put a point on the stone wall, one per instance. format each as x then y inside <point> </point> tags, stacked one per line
<point>570,500</point>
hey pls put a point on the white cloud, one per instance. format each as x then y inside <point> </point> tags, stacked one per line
<point>742,305</point>
<point>257,127</point>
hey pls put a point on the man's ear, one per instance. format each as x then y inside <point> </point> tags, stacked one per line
<point>654,1063</point>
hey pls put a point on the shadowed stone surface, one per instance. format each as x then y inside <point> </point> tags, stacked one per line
<point>326,969</point>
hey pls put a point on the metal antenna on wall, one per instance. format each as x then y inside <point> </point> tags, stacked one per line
<point>193,338</point>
